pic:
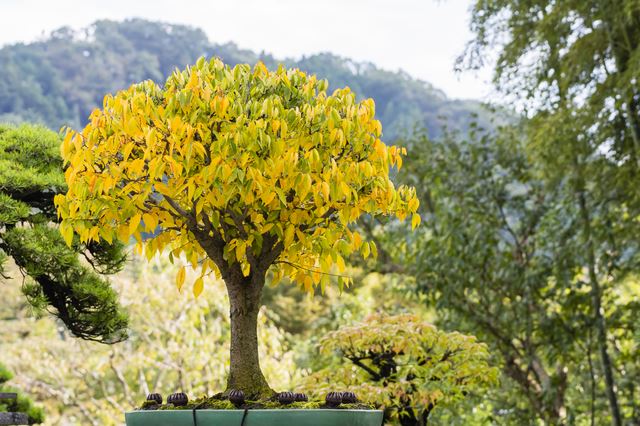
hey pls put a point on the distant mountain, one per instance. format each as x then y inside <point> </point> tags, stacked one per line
<point>59,80</point>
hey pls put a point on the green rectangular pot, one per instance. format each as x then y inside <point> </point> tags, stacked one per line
<point>278,417</point>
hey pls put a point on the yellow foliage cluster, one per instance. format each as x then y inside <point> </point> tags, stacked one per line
<point>260,160</point>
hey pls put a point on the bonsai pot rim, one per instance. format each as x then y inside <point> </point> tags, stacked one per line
<point>255,417</point>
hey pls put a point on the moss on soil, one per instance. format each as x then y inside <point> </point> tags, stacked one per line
<point>218,402</point>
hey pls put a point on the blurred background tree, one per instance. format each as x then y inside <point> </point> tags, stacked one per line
<point>573,66</point>
<point>502,257</point>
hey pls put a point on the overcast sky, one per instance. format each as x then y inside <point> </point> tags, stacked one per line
<point>422,37</point>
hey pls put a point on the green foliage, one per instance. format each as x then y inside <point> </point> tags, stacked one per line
<point>571,58</point>
<point>30,176</point>
<point>82,300</point>
<point>60,80</point>
<point>20,405</point>
<point>404,365</point>
<point>575,65</point>
<point>530,236</point>
<point>501,255</point>
<point>482,243</point>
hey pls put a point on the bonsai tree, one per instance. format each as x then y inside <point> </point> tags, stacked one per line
<point>242,172</point>
<point>405,365</point>
<point>56,281</point>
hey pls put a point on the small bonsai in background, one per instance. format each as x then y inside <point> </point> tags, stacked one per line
<point>405,365</point>
<point>20,405</point>
<point>242,172</point>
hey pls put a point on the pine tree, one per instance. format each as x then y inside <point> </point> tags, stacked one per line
<point>55,278</point>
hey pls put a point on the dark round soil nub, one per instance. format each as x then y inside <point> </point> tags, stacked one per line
<point>286,397</point>
<point>236,397</point>
<point>333,399</point>
<point>178,399</point>
<point>155,397</point>
<point>349,398</point>
<point>300,397</point>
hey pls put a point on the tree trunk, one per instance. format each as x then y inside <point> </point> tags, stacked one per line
<point>632,112</point>
<point>601,329</point>
<point>424,417</point>
<point>244,305</point>
<point>408,418</point>
<point>244,300</point>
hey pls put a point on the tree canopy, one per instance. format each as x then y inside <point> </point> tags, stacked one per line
<point>405,365</point>
<point>237,168</point>
<point>575,57</point>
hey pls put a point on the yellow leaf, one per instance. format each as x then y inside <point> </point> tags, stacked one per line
<point>193,80</point>
<point>123,233</point>
<point>268,197</point>
<point>127,151</point>
<point>305,186</point>
<point>365,250</point>
<point>308,283</point>
<point>374,249</point>
<point>150,221</point>
<point>67,233</point>
<point>180,278</point>
<point>198,286</point>
<point>224,104</point>
<point>199,205</point>
<point>59,200</point>
<point>345,190</point>
<point>226,171</point>
<point>325,190</point>
<point>134,222</point>
<point>106,234</point>
<point>415,220</point>
<point>240,250</point>
<point>246,268</point>
<point>357,240</point>
<point>288,235</point>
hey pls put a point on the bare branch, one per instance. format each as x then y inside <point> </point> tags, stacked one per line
<point>177,207</point>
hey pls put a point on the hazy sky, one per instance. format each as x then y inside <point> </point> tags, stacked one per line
<point>422,37</point>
